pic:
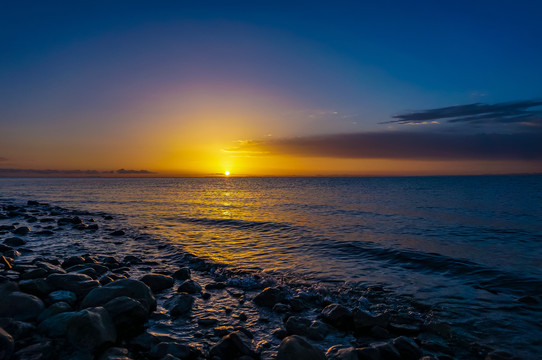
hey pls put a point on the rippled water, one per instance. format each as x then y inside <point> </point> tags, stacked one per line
<point>469,247</point>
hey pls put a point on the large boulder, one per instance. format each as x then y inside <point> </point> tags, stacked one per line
<point>91,329</point>
<point>6,345</point>
<point>128,315</point>
<point>297,348</point>
<point>80,284</point>
<point>157,282</point>
<point>126,287</point>
<point>269,297</point>
<point>21,306</point>
<point>338,316</point>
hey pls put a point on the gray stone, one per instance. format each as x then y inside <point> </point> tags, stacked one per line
<point>338,316</point>
<point>157,282</point>
<point>21,306</point>
<point>297,348</point>
<point>128,315</point>
<point>90,329</point>
<point>126,287</point>
<point>189,287</point>
<point>408,349</point>
<point>269,297</point>
<point>6,345</point>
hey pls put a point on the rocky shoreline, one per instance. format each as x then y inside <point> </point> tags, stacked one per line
<point>75,286</point>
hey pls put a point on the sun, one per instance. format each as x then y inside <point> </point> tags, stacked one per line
<point>227,173</point>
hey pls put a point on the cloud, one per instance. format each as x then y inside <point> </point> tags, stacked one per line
<point>518,112</point>
<point>407,145</point>
<point>3,159</point>
<point>56,172</point>
<point>131,172</point>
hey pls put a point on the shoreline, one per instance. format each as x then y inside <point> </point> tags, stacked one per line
<point>64,260</point>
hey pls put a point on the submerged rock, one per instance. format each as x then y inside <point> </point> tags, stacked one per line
<point>297,348</point>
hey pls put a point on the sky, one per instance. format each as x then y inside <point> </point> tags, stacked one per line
<point>270,88</point>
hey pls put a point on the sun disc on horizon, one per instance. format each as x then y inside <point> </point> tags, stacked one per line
<point>227,173</point>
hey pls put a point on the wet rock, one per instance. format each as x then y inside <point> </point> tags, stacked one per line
<point>368,353</point>
<point>4,248</point>
<point>115,353</point>
<point>40,351</point>
<point>338,316</point>
<point>500,355</point>
<point>80,268</point>
<point>7,227</point>
<point>408,349</point>
<point>38,287</point>
<point>318,330</point>
<point>297,348</point>
<point>6,345</point>
<point>18,329</point>
<point>269,297</point>
<point>182,274</point>
<point>340,352</point>
<point>12,254</point>
<point>175,349</point>
<point>233,346</point>
<point>281,308</point>
<point>50,268</point>
<point>23,230</point>
<point>215,286</point>
<point>222,331</point>
<point>205,296</point>
<point>80,284</point>
<point>63,296</point>
<point>279,333</point>
<point>45,233</point>
<point>132,260</point>
<point>243,317</point>
<point>297,325</point>
<point>404,329</point>
<point>32,203</point>
<point>14,242</point>
<point>56,326</point>
<point>379,332</point>
<point>189,287</point>
<point>5,263</point>
<point>91,329</point>
<point>128,315</point>
<point>297,304</point>
<point>387,351</point>
<point>72,261</point>
<point>207,321</point>
<point>157,282</point>
<point>54,309</point>
<point>117,233</point>
<point>126,287</point>
<point>364,320</point>
<point>21,306</point>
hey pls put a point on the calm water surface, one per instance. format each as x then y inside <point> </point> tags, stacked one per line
<point>467,246</point>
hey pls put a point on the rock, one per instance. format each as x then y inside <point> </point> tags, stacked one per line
<point>54,309</point>
<point>19,330</point>
<point>364,320</point>
<point>222,331</point>
<point>387,351</point>
<point>5,262</point>
<point>368,353</point>
<point>72,261</point>
<point>38,287</point>
<point>339,352</point>
<point>128,316</point>
<point>215,286</point>
<point>126,287</point>
<point>91,329</point>
<point>500,355</point>
<point>404,329</point>
<point>21,306</point>
<point>32,203</point>
<point>180,351</point>
<point>338,316</point>
<point>56,326</point>
<point>62,295</point>
<point>80,284</point>
<point>180,305</point>
<point>182,274</point>
<point>132,260</point>
<point>281,308</point>
<point>318,330</point>
<point>233,346</point>
<point>379,332</point>
<point>117,233</point>
<point>50,268</point>
<point>6,345</point>
<point>297,325</point>
<point>80,268</point>
<point>115,353</point>
<point>408,349</point>
<point>157,282</point>
<point>297,348</point>
<point>279,333</point>
<point>7,227</point>
<point>23,230</point>
<point>207,321</point>
<point>40,351</point>
<point>189,287</point>
<point>269,297</point>
<point>14,242</point>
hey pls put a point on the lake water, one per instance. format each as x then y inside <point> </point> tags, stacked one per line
<point>468,247</point>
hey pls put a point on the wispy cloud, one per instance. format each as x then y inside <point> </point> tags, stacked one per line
<point>408,145</point>
<point>133,172</point>
<point>519,112</point>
